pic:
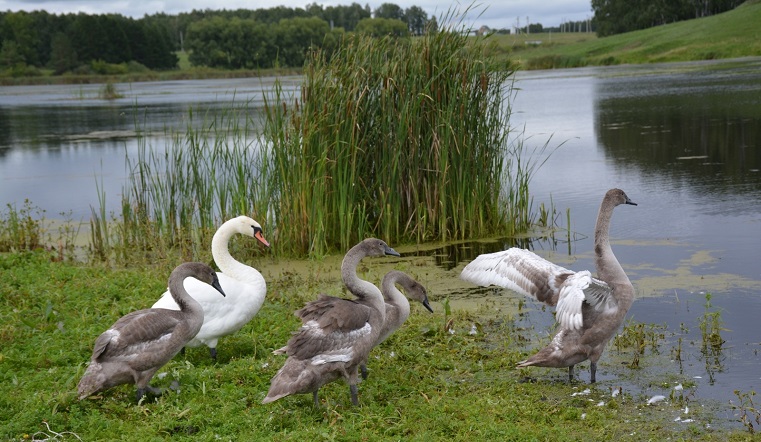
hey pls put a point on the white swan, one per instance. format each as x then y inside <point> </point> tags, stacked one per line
<point>589,310</point>
<point>141,342</point>
<point>244,286</point>
<point>336,334</point>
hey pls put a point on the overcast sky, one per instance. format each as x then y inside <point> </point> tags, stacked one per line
<point>492,13</point>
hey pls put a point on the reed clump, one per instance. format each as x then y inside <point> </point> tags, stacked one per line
<point>404,139</point>
<point>21,229</point>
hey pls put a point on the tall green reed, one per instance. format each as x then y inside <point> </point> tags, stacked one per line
<point>405,139</point>
<point>177,195</point>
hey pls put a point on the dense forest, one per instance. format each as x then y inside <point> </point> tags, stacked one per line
<point>34,42</point>
<point>228,39</point>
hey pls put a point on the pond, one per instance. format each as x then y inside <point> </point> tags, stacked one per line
<point>683,140</point>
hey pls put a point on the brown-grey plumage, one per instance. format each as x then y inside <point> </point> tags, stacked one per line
<point>141,342</point>
<point>397,305</point>
<point>336,334</point>
<point>589,310</point>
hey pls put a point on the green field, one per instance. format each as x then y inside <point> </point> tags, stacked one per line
<point>735,33</point>
<point>432,380</point>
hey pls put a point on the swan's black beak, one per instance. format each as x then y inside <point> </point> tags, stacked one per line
<point>216,285</point>
<point>427,305</point>
<point>389,251</point>
<point>630,202</point>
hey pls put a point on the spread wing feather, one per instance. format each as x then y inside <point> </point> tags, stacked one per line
<point>531,275</point>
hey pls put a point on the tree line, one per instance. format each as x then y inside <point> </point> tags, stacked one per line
<point>230,39</point>
<point>619,16</point>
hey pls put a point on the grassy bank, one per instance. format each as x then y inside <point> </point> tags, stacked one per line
<point>729,35</point>
<point>433,380</point>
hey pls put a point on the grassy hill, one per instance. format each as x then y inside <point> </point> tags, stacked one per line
<point>732,34</point>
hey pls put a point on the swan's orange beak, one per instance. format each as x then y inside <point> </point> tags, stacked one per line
<point>258,235</point>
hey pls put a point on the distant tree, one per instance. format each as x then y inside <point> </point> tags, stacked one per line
<point>346,17</point>
<point>332,41</point>
<point>417,20</point>
<point>20,28</point>
<point>389,11</point>
<point>381,27</point>
<point>10,55</point>
<point>231,43</point>
<point>618,16</point>
<point>297,35</point>
<point>158,53</point>
<point>63,56</point>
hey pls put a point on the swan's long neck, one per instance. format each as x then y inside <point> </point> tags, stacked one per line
<point>608,267</point>
<point>225,261</point>
<point>186,302</point>
<point>367,292</point>
<point>393,296</point>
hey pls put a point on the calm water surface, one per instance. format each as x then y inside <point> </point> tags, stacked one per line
<point>683,140</point>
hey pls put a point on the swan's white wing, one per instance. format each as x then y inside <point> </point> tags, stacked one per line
<point>600,295</point>
<point>527,273</point>
<point>519,270</point>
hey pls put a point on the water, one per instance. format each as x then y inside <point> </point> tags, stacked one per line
<point>681,139</point>
<point>58,144</point>
<point>685,144</point>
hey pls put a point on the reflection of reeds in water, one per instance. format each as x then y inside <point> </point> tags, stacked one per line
<point>404,139</point>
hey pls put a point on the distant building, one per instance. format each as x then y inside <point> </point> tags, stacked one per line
<point>483,30</point>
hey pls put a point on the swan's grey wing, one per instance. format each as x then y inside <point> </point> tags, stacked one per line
<point>600,295</point>
<point>527,273</point>
<point>136,332</point>
<point>331,331</point>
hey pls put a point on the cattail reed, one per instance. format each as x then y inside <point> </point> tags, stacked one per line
<point>404,139</point>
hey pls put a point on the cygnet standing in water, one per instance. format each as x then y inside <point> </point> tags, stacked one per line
<point>589,310</point>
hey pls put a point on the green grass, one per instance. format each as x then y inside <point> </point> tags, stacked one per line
<point>424,384</point>
<point>729,35</point>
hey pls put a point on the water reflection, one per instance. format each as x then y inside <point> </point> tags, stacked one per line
<point>694,130</point>
<point>451,255</point>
